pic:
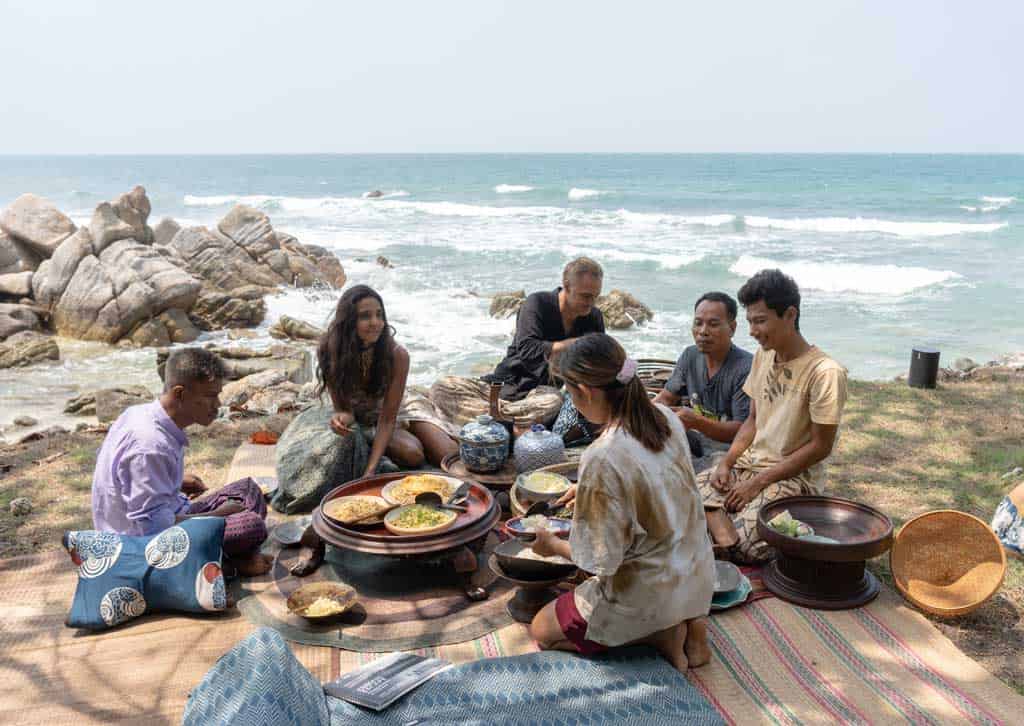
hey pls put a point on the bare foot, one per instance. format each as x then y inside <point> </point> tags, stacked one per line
<point>254,566</point>
<point>310,559</point>
<point>698,652</point>
<point>670,642</point>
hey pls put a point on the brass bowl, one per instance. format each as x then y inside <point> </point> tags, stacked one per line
<point>309,593</point>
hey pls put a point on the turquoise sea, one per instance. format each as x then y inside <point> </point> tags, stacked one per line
<point>889,250</point>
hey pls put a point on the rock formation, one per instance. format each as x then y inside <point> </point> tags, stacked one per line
<point>289,328</point>
<point>507,304</point>
<point>27,347</point>
<point>621,310</point>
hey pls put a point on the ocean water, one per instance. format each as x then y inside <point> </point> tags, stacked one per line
<point>890,251</point>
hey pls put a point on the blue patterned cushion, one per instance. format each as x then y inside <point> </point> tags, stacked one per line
<point>257,683</point>
<point>260,682</point>
<point>1008,524</point>
<point>122,577</point>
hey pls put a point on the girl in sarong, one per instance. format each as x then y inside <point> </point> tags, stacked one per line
<point>364,370</point>
<point>638,522</point>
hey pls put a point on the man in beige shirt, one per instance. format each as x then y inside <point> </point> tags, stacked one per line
<point>797,395</point>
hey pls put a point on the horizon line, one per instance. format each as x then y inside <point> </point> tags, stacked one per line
<point>4,154</point>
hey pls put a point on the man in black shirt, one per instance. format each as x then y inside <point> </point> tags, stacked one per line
<point>547,323</point>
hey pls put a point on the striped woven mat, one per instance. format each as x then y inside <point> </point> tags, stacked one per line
<point>772,662</point>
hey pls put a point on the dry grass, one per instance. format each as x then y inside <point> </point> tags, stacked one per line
<point>908,451</point>
<point>902,450</point>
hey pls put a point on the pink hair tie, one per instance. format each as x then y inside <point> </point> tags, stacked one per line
<point>627,371</point>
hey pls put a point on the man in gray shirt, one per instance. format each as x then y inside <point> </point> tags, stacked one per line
<point>709,376</point>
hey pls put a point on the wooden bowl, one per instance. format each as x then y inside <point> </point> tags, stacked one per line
<point>947,562</point>
<point>309,593</point>
<point>861,532</point>
<point>390,517</point>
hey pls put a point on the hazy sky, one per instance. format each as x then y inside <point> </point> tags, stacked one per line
<point>430,76</point>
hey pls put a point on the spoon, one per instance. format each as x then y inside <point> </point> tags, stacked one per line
<point>538,508</point>
<point>460,494</point>
<point>433,499</point>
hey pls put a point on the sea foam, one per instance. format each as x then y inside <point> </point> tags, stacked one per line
<point>847,276</point>
<point>576,194</point>
<point>840,225</point>
<point>512,188</point>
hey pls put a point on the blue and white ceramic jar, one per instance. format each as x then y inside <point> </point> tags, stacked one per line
<point>538,447</point>
<point>483,445</point>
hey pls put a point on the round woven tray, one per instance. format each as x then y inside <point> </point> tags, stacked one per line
<point>947,562</point>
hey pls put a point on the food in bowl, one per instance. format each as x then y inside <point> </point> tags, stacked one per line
<point>527,553</point>
<point>535,522</point>
<point>355,509</point>
<point>546,482</point>
<point>323,607</point>
<point>418,519</point>
<point>404,491</point>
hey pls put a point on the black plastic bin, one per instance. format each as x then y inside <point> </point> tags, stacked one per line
<point>924,368</point>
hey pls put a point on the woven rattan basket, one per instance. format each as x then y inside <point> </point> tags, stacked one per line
<point>947,562</point>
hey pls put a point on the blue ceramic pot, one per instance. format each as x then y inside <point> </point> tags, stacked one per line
<point>483,445</point>
<point>538,447</point>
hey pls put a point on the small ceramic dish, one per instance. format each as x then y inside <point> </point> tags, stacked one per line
<point>290,532</point>
<point>725,600</point>
<point>548,480</point>
<point>442,519</point>
<point>727,576</point>
<point>515,528</point>
<point>321,600</point>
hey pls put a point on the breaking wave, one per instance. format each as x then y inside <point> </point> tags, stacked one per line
<point>576,194</point>
<point>848,276</point>
<point>512,188</point>
<point>860,224</point>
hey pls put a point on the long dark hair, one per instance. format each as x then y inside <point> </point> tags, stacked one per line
<point>595,360</point>
<point>338,352</point>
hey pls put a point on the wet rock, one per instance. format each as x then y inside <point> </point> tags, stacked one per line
<point>297,363</point>
<point>111,402</point>
<point>43,434</point>
<point>25,421</point>
<point>164,232</point>
<point>237,393</point>
<point>18,318</point>
<point>384,262</point>
<point>375,194</point>
<point>27,347</point>
<point>83,405</point>
<point>150,334</point>
<point>621,310</point>
<point>21,506</point>
<point>507,304</point>
<point>243,334</point>
<point>289,328</point>
<point>16,284</point>
<point>37,224</point>
<point>179,326</point>
<point>242,307</point>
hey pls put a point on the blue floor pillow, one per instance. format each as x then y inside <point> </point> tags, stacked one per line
<point>122,577</point>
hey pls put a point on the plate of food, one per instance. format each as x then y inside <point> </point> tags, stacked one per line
<point>321,600</point>
<point>525,528</point>
<point>404,491</point>
<point>354,511</point>
<point>415,519</point>
<point>542,486</point>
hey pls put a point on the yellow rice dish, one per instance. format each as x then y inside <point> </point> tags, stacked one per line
<point>405,490</point>
<point>349,509</point>
<point>322,607</point>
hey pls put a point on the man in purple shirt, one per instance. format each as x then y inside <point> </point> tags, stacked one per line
<point>140,486</point>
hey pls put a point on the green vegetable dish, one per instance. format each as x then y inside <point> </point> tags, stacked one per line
<point>420,517</point>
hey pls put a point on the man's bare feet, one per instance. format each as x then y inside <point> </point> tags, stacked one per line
<point>310,558</point>
<point>670,642</point>
<point>253,566</point>
<point>698,652</point>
